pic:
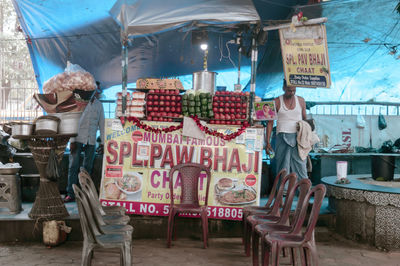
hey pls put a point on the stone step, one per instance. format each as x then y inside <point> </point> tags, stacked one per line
<point>145,227</point>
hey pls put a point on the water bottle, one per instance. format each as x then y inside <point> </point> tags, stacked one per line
<point>271,154</point>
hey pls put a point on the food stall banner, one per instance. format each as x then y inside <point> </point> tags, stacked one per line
<point>136,168</point>
<point>305,56</point>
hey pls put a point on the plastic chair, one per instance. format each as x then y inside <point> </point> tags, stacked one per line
<point>98,219</point>
<point>265,226</point>
<point>112,218</point>
<point>93,238</point>
<point>251,210</point>
<point>305,242</point>
<point>274,214</point>
<point>189,174</point>
<point>94,196</point>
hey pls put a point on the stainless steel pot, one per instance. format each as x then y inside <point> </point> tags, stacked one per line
<point>7,128</point>
<point>21,129</point>
<point>68,122</point>
<point>46,125</point>
<point>204,80</point>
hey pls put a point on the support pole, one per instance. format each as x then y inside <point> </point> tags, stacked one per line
<point>254,56</point>
<point>237,86</point>
<point>124,62</point>
<point>239,62</point>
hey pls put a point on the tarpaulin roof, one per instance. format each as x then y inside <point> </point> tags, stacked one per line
<point>84,32</point>
<point>363,42</point>
<point>141,17</point>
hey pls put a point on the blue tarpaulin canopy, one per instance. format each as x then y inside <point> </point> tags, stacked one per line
<point>85,33</point>
<point>363,38</point>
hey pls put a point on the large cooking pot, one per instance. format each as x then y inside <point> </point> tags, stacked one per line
<point>204,80</point>
<point>21,129</point>
<point>46,125</point>
<point>382,167</point>
<point>68,122</point>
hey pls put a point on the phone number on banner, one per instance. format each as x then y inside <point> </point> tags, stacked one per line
<point>159,209</point>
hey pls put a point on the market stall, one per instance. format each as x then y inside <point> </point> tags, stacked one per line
<point>160,124</point>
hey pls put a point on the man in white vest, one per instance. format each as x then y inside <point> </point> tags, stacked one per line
<point>290,109</point>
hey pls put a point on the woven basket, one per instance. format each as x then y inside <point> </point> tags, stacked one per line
<point>48,204</point>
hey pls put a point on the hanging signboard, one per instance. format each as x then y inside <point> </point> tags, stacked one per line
<point>305,56</point>
<point>136,168</point>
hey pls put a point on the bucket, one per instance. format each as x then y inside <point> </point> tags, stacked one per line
<point>341,169</point>
<point>382,167</point>
<point>69,122</point>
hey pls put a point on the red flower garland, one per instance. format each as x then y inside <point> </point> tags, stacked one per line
<point>212,132</point>
<point>208,131</point>
<point>148,128</point>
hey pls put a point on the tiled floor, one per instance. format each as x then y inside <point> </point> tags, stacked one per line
<point>332,250</point>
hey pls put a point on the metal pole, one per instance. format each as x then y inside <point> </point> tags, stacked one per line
<point>124,62</point>
<point>254,55</point>
<point>239,62</point>
<point>237,86</point>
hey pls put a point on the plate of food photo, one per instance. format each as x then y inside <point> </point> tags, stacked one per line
<point>130,183</point>
<point>240,195</point>
<point>225,183</point>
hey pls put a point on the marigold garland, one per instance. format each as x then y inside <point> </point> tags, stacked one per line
<point>205,129</point>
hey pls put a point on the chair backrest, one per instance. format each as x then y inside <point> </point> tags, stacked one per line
<point>86,181</point>
<point>301,198</point>
<point>271,196</point>
<point>303,186</point>
<point>83,170</point>
<point>93,203</point>
<point>89,230</point>
<point>318,192</point>
<point>89,180</point>
<point>189,174</point>
<point>290,180</point>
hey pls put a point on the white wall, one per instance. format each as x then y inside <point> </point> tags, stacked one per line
<point>334,129</point>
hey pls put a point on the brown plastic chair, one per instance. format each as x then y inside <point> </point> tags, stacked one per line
<point>274,214</point>
<point>93,237</point>
<point>264,226</point>
<point>189,174</point>
<point>305,242</point>
<point>112,218</point>
<point>252,210</point>
<point>94,196</point>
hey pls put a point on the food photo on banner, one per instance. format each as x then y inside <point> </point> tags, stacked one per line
<point>137,162</point>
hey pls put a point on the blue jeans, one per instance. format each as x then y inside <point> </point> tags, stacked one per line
<point>74,163</point>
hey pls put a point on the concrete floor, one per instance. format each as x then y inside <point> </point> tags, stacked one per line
<point>332,249</point>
